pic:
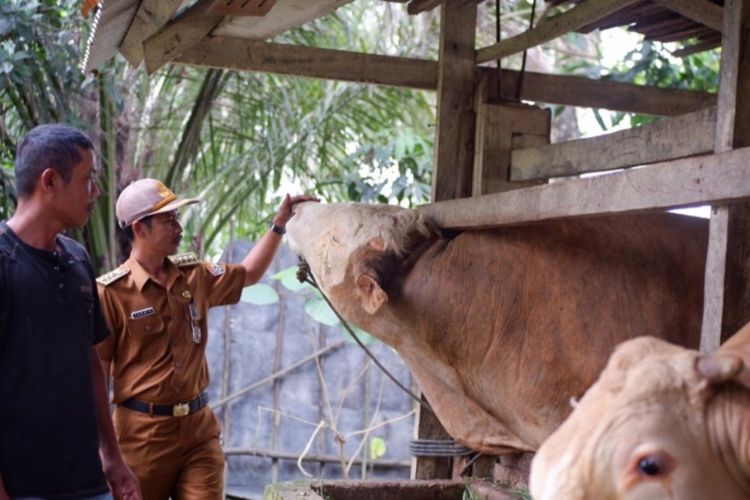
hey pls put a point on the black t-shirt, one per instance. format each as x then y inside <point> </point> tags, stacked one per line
<point>49,320</point>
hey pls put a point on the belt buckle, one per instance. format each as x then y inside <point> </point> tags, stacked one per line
<point>180,410</point>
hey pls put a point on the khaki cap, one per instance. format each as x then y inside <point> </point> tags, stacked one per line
<point>147,197</point>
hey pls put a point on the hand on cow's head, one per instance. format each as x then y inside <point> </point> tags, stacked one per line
<point>731,362</point>
<point>641,431</point>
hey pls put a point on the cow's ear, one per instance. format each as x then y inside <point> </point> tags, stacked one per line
<point>370,292</point>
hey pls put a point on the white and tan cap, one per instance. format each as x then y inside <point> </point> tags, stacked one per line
<point>147,197</point>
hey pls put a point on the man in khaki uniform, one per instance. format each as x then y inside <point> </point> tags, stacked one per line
<point>156,305</point>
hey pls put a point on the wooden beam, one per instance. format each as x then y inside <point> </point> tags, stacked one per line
<point>670,138</point>
<point>294,456</point>
<point>457,81</point>
<point>150,16</point>
<point>417,6</point>
<point>584,13</point>
<point>502,128</point>
<point>285,15</point>
<point>688,50</point>
<point>713,289</point>
<point>247,55</point>
<point>114,20</point>
<point>453,164</point>
<point>179,34</point>
<point>241,7</point>
<point>700,180</point>
<point>604,94</point>
<point>727,286</point>
<point>702,11</point>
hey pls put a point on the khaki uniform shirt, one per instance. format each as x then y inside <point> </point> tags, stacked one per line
<point>154,353</point>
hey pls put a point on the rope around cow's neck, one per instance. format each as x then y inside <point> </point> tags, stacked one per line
<point>305,275</point>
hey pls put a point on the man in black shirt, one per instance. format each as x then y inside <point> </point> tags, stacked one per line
<point>54,416</point>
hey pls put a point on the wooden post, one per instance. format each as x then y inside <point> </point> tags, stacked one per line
<point>501,128</point>
<point>727,287</point>
<point>429,427</point>
<point>454,136</point>
<point>453,164</point>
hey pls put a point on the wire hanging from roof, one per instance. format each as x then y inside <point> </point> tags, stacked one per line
<point>519,87</point>
<point>94,25</point>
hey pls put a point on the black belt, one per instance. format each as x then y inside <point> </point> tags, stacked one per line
<point>177,410</point>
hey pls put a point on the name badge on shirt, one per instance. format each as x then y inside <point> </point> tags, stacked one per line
<point>142,313</point>
<point>217,269</point>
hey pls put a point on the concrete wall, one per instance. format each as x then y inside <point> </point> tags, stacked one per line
<point>249,334</point>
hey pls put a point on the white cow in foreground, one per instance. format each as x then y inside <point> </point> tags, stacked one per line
<point>501,327</point>
<point>662,422</point>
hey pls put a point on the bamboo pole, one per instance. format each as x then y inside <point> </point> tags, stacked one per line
<point>278,350</point>
<point>276,375</point>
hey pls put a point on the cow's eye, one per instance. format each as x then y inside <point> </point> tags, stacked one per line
<point>650,466</point>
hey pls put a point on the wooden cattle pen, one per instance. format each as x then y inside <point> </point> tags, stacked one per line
<point>492,152</point>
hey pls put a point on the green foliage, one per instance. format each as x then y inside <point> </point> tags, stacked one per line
<point>652,63</point>
<point>396,170</point>
<point>39,77</point>
<point>318,309</point>
<point>39,80</point>
<point>288,278</point>
<point>377,448</point>
<point>250,138</point>
<point>315,306</point>
<point>469,493</point>
<point>7,191</point>
<point>238,140</point>
<point>259,294</point>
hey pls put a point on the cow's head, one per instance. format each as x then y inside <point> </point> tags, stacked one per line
<point>661,422</point>
<point>359,247</point>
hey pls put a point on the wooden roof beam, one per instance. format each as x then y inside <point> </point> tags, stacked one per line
<point>702,11</point>
<point>698,47</point>
<point>417,6</point>
<point>700,180</point>
<point>150,16</point>
<point>247,55</point>
<point>181,33</point>
<point>583,14</point>
<point>604,94</point>
<point>675,137</point>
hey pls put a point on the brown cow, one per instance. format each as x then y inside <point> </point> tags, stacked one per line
<point>502,327</point>
<point>661,422</point>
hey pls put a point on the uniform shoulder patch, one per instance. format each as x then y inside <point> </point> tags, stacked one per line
<point>217,269</point>
<point>112,276</point>
<point>184,259</point>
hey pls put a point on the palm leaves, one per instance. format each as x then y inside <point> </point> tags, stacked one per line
<point>239,140</point>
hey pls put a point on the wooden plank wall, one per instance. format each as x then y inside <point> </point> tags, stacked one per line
<point>700,180</point>
<point>670,138</point>
<point>501,129</point>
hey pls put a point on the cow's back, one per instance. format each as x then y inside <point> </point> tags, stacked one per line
<point>527,316</point>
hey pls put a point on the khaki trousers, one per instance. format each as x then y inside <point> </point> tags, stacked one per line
<point>177,457</point>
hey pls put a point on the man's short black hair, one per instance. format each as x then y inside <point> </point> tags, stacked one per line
<point>128,230</point>
<point>52,146</point>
